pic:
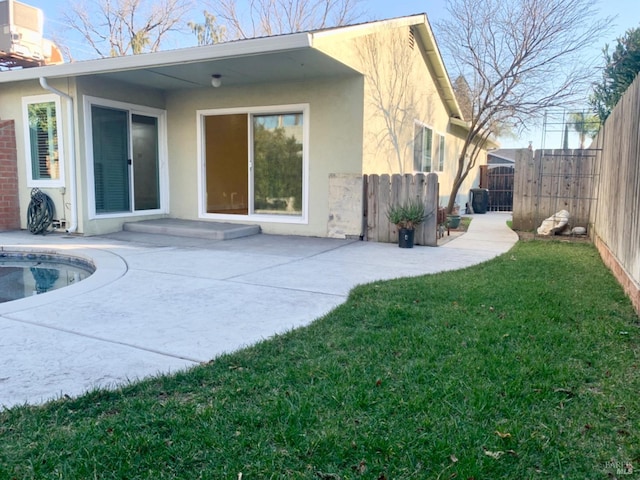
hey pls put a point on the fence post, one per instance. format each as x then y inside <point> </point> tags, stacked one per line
<point>372,208</point>
<point>365,208</point>
<point>385,229</point>
<point>430,201</point>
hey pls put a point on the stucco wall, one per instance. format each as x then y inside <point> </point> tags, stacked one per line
<point>349,133</point>
<point>335,146</point>
<point>11,96</point>
<point>400,89</point>
<point>335,108</point>
<point>115,91</point>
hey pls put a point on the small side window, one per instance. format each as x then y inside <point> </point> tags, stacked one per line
<point>43,143</point>
<point>422,148</point>
<point>428,149</point>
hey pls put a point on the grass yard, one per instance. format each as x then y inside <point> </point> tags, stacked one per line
<point>524,367</point>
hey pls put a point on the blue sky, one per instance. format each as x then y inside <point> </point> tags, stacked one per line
<point>625,12</point>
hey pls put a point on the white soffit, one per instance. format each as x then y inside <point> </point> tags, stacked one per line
<point>260,60</point>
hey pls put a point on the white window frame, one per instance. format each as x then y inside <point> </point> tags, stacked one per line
<point>437,164</point>
<point>43,182</point>
<point>163,162</point>
<point>441,150</point>
<point>250,112</point>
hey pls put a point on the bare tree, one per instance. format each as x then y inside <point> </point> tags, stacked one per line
<point>255,18</point>
<point>387,65</point>
<point>520,57</point>
<point>122,27</point>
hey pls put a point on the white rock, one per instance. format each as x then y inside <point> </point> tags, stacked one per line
<point>555,223</point>
<point>579,231</point>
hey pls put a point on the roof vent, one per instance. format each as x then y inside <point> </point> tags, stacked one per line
<point>412,38</point>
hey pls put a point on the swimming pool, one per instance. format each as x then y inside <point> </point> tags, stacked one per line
<point>24,274</point>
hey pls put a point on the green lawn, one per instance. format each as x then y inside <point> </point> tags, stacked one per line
<point>523,367</point>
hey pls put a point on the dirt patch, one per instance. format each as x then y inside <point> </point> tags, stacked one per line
<point>527,236</point>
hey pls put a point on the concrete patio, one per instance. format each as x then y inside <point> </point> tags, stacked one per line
<point>159,303</point>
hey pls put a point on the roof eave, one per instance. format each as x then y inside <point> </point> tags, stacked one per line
<point>420,24</point>
<point>254,46</point>
<point>435,60</point>
<point>371,27</point>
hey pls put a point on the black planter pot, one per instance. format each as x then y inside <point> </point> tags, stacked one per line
<point>405,238</point>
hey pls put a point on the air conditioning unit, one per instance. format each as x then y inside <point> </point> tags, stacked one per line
<point>21,29</point>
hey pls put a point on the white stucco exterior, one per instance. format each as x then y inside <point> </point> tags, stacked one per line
<point>344,79</point>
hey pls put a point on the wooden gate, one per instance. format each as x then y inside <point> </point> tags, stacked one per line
<point>499,181</point>
<point>500,187</point>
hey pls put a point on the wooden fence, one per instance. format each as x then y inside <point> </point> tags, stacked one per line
<point>600,187</point>
<point>382,191</point>
<point>617,218</point>
<point>554,180</point>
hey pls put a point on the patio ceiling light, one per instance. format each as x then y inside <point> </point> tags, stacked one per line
<point>216,80</point>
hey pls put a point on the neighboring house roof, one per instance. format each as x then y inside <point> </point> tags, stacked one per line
<point>249,61</point>
<point>503,155</point>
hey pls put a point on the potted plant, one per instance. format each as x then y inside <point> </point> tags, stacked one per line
<point>453,218</point>
<point>406,217</point>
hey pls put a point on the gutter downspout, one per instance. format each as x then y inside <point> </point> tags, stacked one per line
<point>72,155</point>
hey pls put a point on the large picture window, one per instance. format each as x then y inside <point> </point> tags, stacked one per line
<point>43,141</point>
<point>428,150</point>
<point>254,162</point>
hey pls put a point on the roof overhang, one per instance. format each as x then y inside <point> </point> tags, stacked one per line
<point>290,57</point>
<point>260,60</point>
<point>434,60</point>
<point>421,28</point>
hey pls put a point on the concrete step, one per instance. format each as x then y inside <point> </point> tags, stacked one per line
<point>192,228</point>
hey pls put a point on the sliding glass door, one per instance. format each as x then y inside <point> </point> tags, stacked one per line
<point>110,159</point>
<point>254,163</point>
<point>126,170</point>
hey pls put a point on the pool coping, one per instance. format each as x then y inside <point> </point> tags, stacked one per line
<point>109,267</point>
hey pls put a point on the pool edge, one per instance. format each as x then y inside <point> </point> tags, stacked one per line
<point>109,267</point>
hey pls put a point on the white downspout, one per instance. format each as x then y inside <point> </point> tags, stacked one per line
<point>73,198</point>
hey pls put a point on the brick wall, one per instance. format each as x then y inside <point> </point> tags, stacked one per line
<point>9,204</point>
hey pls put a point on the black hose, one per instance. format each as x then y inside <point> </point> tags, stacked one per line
<point>40,213</point>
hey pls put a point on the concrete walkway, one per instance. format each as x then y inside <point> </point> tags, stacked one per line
<point>159,304</point>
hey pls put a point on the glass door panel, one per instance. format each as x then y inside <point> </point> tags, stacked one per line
<point>146,175</point>
<point>277,164</point>
<point>110,128</point>
<point>226,164</point>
